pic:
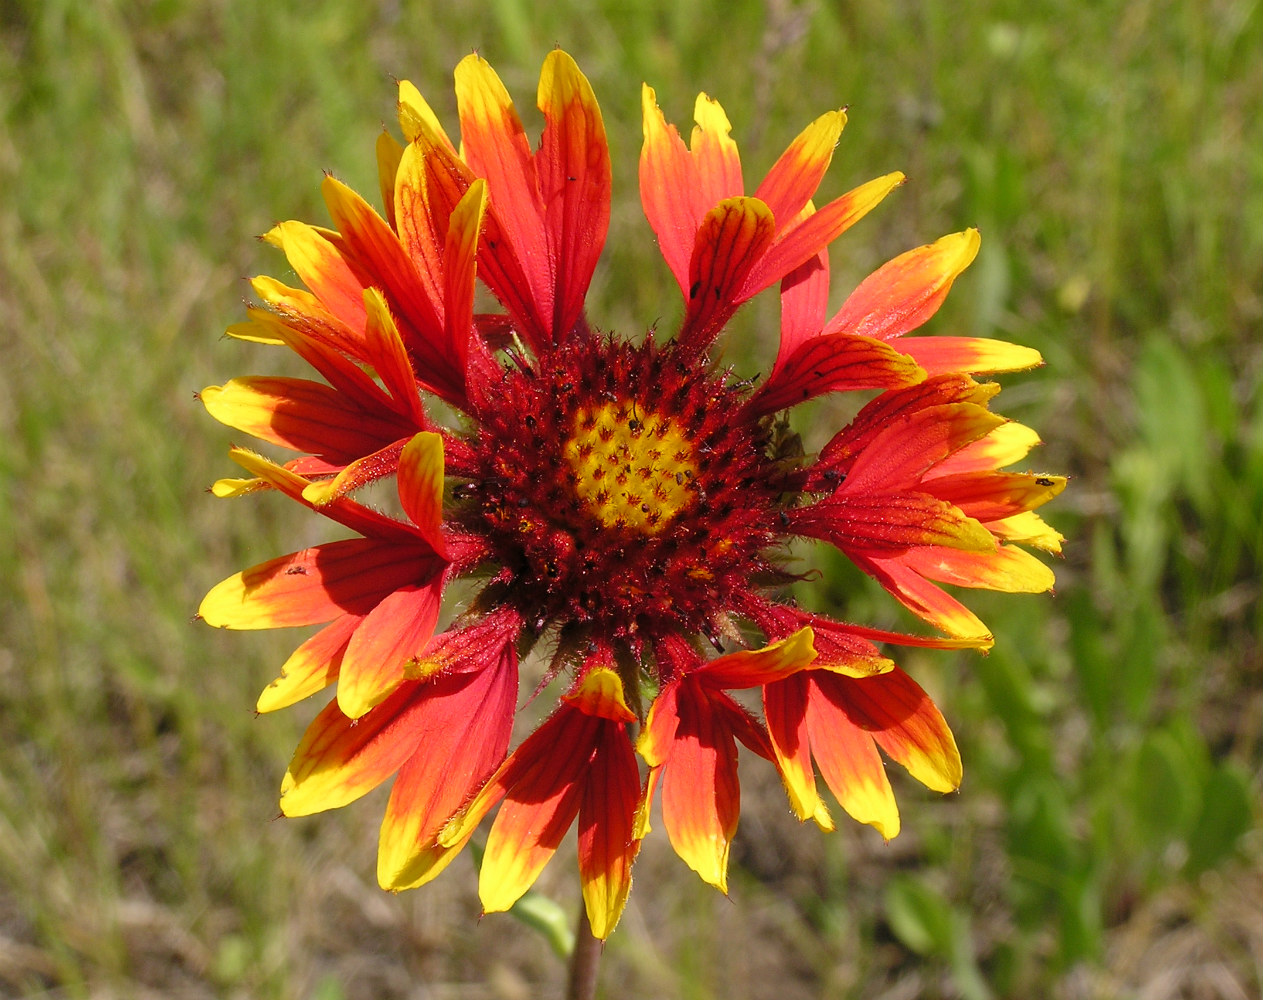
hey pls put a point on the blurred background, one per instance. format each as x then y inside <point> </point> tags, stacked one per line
<point>1106,841</point>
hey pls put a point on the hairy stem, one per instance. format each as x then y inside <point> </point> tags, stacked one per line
<point>585,961</point>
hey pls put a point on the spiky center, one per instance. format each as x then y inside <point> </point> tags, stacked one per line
<point>623,489</point>
<point>633,469</point>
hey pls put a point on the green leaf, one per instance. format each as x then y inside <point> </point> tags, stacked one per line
<point>1164,788</point>
<point>920,917</point>
<point>1226,813</point>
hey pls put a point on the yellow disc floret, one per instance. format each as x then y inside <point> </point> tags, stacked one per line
<point>633,469</point>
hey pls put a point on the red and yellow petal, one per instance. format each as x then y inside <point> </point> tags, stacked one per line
<point>924,598</point>
<point>1007,568</point>
<point>299,414</point>
<point>384,350</point>
<point>668,189</point>
<point>899,455</point>
<point>752,667</point>
<point>417,118</point>
<point>993,496</point>
<point>495,146</point>
<point>804,300</point>
<point>793,179</point>
<point>312,667</point>
<point>1028,529</point>
<point>322,269</point>
<point>906,724</point>
<point>835,363</point>
<point>902,294</point>
<point>701,797</point>
<point>607,829</point>
<point>461,733</point>
<point>393,633</point>
<point>353,476</point>
<point>378,252</point>
<point>785,709</point>
<point>717,164</point>
<point>848,759</point>
<point>389,153</point>
<point>801,241</point>
<point>421,487</point>
<point>1008,443</point>
<point>311,586</point>
<point>730,241</point>
<point>340,759</point>
<point>885,523</point>
<point>573,165</point>
<point>460,250</point>
<point>976,355</point>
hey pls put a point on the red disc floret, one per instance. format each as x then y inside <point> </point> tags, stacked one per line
<point>638,529</point>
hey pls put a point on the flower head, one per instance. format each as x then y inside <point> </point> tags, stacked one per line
<point>624,503</point>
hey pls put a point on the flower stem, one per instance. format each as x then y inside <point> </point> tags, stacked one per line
<point>585,961</point>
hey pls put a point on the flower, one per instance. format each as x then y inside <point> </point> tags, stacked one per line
<point>622,503</point>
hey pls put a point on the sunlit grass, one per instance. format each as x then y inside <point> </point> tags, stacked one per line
<point>1112,155</point>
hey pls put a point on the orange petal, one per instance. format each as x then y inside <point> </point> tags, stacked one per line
<point>849,761</point>
<point>421,487</point>
<point>804,299</point>
<point>835,363</point>
<point>322,269</point>
<point>461,733</point>
<point>299,414</point>
<point>312,667</point>
<point>751,668</point>
<point>495,146</point>
<point>924,598</point>
<point>701,797</point>
<point>731,240</point>
<point>340,759</point>
<point>897,456</point>
<point>391,634</point>
<point>902,294</point>
<point>905,723</point>
<point>574,182</point>
<point>793,179</point>
<point>312,586</point>
<point>717,163</point>
<point>668,189</point>
<point>785,708</point>
<point>607,836</point>
<point>799,242</point>
<point>942,355</point>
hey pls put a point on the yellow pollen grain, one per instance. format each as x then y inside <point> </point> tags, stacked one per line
<point>632,469</point>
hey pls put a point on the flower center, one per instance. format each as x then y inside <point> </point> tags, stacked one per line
<point>633,470</point>
<point>622,489</point>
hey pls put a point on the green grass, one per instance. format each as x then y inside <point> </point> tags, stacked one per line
<point>1107,836</point>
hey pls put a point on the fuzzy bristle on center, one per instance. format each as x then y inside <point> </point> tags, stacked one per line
<point>633,469</point>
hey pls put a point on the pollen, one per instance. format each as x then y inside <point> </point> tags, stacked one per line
<point>632,469</point>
